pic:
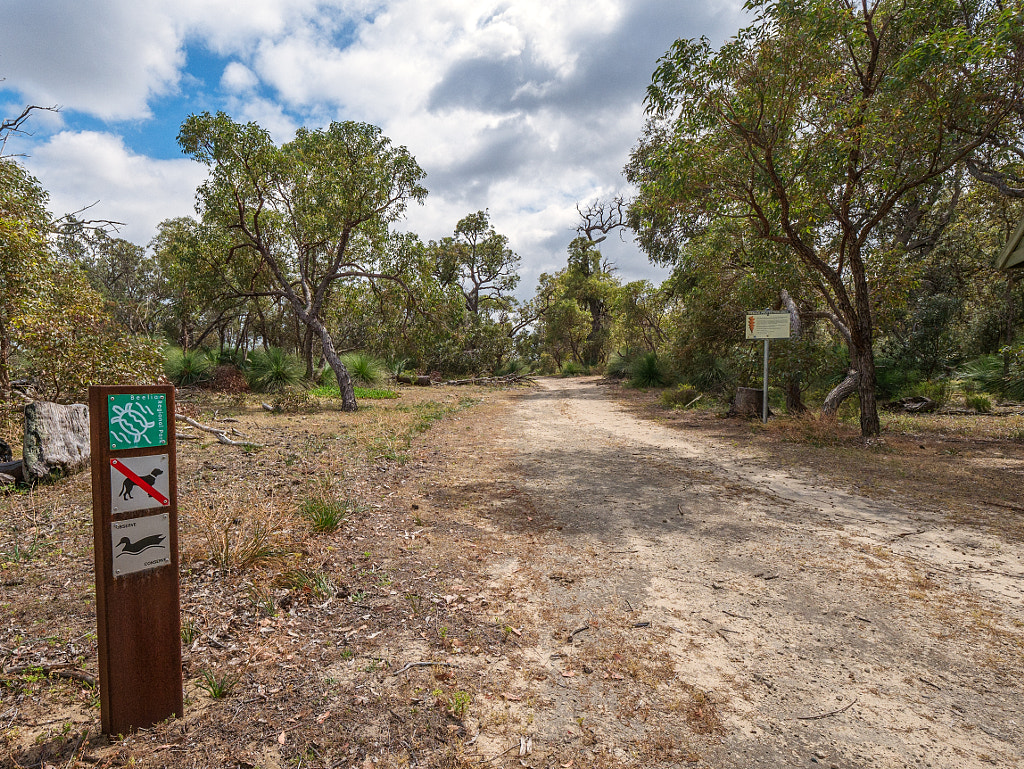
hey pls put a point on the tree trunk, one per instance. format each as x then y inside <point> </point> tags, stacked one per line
<point>870,425</point>
<point>345,386</point>
<point>841,392</point>
<point>794,398</point>
<point>5,357</point>
<point>307,352</point>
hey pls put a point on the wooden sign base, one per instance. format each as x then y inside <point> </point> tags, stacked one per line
<point>138,613</point>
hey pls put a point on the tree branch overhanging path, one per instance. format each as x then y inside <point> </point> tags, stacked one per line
<point>311,212</point>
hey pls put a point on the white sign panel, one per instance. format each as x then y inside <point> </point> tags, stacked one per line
<point>141,543</point>
<point>139,483</point>
<point>767,325</point>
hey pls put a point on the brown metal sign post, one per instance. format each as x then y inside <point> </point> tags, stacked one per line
<point>135,528</point>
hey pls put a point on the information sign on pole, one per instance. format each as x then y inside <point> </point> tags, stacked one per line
<point>135,532</point>
<point>767,325</point>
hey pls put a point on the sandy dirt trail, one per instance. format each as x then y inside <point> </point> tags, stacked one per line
<point>829,629</point>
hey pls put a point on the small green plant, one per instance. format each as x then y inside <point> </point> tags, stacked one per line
<point>189,631</point>
<point>458,704</point>
<point>262,599</point>
<point>325,513</point>
<point>979,403</point>
<point>219,688</point>
<point>618,365</point>
<point>572,368</point>
<point>318,583</point>
<point>273,370</point>
<point>347,654</point>
<point>415,602</point>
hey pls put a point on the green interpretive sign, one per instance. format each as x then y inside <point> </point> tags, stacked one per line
<point>137,420</point>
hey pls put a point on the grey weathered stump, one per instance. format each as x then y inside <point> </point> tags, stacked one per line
<point>56,440</point>
<point>749,402</point>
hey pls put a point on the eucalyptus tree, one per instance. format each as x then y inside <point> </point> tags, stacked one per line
<point>813,127</point>
<point>310,212</point>
<point>24,252</point>
<point>478,260</point>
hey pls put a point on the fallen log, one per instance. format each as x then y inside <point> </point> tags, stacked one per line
<point>414,379</point>
<point>219,434</point>
<point>492,380</point>
<point>14,469</point>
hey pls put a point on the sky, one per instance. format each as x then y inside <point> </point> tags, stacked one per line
<point>526,108</point>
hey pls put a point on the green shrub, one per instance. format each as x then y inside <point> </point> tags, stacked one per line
<point>547,364</point>
<point>363,368</point>
<point>990,374</point>
<point>680,397</point>
<point>979,403</point>
<point>935,389</point>
<point>572,368</point>
<point>188,367</point>
<point>647,371</point>
<point>273,370</point>
<point>514,366</point>
<point>708,374</point>
<point>618,365</point>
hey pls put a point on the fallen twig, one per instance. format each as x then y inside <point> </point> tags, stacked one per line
<point>830,713</point>
<point>409,665</point>
<point>578,630</point>
<point>52,671</point>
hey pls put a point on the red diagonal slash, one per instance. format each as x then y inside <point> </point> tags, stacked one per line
<point>122,468</point>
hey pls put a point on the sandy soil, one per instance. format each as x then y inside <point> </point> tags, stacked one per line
<point>825,628</point>
<point>559,575</point>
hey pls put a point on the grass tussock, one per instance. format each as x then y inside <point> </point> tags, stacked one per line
<point>239,533</point>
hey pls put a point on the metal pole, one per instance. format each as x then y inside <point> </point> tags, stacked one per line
<point>764,405</point>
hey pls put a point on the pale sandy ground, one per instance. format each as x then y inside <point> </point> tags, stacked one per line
<point>830,629</point>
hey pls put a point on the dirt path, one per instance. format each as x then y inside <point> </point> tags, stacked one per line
<point>820,627</point>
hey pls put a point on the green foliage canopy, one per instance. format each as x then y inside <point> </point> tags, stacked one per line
<point>813,126</point>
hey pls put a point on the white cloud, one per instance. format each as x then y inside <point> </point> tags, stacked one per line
<point>83,168</point>
<point>238,78</point>
<point>107,59</point>
<point>525,107</point>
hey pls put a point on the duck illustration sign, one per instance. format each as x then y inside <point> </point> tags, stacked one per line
<point>137,420</point>
<point>139,483</point>
<point>140,544</point>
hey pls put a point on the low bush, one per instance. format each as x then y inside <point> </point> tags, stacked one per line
<point>679,398</point>
<point>572,368</point>
<point>273,370</point>
<point>188,367</point>
<point>979,403</point>
<point>364,368</point>
<point>647,371</point>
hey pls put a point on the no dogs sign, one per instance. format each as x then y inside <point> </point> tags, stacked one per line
<point>139,483</point>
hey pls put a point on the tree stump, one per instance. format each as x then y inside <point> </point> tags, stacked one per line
<point>749,402</point>
<point>56,440</point>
